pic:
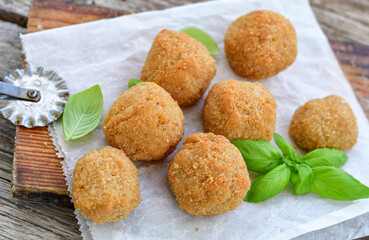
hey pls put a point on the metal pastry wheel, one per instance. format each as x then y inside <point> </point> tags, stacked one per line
<point>33,97</point>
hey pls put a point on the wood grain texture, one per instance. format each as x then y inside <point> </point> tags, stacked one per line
<point>346,20</point>
<point>37,174</point>
<point>46,14</point>
<point>354,61</point>
<point>17,11</point>
<point>10,48</point>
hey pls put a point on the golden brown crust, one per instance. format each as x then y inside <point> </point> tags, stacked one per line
<point>105,185</point>
<point>145,122</point>
<point>240,110</point>
<point>181,65</point>
<point>208,175</point>
<point>324,123</point>
<point>260,44</point>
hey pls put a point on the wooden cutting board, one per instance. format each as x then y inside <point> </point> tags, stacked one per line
<point>37,173</point>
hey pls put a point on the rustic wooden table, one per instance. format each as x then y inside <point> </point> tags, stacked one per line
<point>341,20</point>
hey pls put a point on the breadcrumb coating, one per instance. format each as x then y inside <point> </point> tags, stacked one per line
<point>260,44</point>
<point>208,175</point>
<point>105,185</point>
<point>145,122</point>
<point>181,65</point>
<point>324,123</point>
<point>240,110</point>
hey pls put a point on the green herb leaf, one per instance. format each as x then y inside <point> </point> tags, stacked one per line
<point>325,157</point>
<point>132,82</point>
<point>285,147</point>
<point>202,37</point>
<point>302,178</point>
<point>334,183</point>
<point>269,185</point>
<point>82,113</point>
<point>260,156</point>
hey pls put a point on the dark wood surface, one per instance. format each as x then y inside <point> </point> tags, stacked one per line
<point>354,61</point>
<point>340,20</point>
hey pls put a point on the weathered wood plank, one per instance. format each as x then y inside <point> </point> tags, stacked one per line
<point>51,14</point>
<point>343,20</point>
<point>10,48</point>
<point>17,11</point>
<point>22,220</point>
<point>354,61</point>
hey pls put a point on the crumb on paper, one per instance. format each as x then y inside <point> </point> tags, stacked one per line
<point>197,229</point>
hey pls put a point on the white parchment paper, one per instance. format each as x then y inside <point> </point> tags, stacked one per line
<point>110,52</point>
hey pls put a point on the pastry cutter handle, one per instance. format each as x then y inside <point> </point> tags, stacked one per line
<point>11,92</point>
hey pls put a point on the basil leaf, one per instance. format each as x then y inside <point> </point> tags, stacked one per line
<point>302,178</point>
<point>334,183</point>
<point>132,82</point>
<point>325,157</point>
<point>82,113</point>
<point>269,185</point>
<point>260,156</point>
<point>285,147</point>
<point>202,37</point>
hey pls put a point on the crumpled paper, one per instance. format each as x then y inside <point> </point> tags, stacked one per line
<point>110,52</point>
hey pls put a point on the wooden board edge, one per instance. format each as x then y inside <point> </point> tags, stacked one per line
<point>36,193</point>
<point>30,194</point>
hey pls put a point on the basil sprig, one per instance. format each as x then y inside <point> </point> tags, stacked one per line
<point>82,113</point>
<point>301,179</point>
<point>326,157</point>
<point>285,147</point>
<point>202,37</point>
<point>276,180</point>
<point>132,82</point>
<point>334,183</point>
<point>317,171</point>
<point>261,155</point>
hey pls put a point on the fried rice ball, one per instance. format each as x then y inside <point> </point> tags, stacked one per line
<point>240,110</point>
<point>181,65</point>
<point>260,44</point>
<point>208,175</point>
<point>105,185</point>
<point>145,122</point>
<point>324,123</point>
